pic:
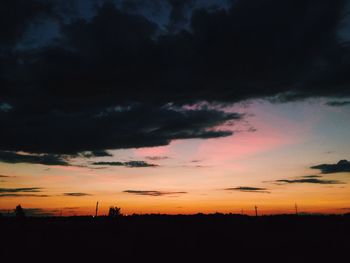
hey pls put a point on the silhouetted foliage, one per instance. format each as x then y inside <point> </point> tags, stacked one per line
<point>19,212</point>
<point>114,212</point>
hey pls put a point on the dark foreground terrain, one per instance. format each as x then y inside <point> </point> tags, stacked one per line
<point>213,238</point>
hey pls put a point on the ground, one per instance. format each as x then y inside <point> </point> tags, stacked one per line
<point>150,238</point>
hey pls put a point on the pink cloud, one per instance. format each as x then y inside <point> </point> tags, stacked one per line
<point>158,151</point>
<point>240,146</point>
<point>152,151</point>
<point>274,129</point>
<point>272,132</point>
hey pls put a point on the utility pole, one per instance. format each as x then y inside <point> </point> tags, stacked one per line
<point>96,209</point>
<point>296,209</point>
<point>256,211</point>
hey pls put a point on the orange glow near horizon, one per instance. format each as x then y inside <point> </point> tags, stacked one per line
<point>288,140</point>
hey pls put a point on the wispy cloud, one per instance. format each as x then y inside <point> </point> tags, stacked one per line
<point>45,159</point>
<point>345,208</point>
<point>194,166</point>
<point>311,176</point>
<point>92,154</point>
<point>248,189</point>
<point>18,190</point>
<point>22,195</point>
<point>21,192</point>
<point>307,179</point>
<point>76,194</point>
<point>340,167</point>
<point>152,193</point>
<point>338,103</point>
<point>40,212</point>
<point>157,158</point>
<point>130,164</point>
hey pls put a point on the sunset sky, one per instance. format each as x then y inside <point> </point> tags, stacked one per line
<point>175,107</point>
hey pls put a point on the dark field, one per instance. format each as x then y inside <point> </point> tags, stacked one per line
<point>149,238</point>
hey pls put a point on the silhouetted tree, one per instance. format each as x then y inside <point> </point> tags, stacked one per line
<point>114,212</point>
<point>19,212</point>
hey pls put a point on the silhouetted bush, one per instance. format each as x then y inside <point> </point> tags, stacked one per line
<point>114,212</point>
<point>19,212</point>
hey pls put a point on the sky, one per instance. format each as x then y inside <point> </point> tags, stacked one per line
<point>174,107</point>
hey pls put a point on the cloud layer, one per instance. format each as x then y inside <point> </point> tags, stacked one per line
<point>342,166</point>
<point>130,164</point>
<point>308,181</point>
<point>46,159</point>
<point>21,192</point>
<point>248,189</point>
<point>115,77</point>
<point>338,103</point>
<point>22,195</point>
<point>16,190</point>
<point>152,193</point>
<point>76,194</point>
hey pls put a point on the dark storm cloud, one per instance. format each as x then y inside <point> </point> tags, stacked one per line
<point>45,159</point>
<point>342,166</point>
<point>76,194</point>
<point>338,103</point>
<point>17,15</point>
<point>131,164</point>
<point>113,128</point>
<point>5,107</point>
<point>248,189</point>
<point>177,17</point>
<point>152,193</point>
<point>114,81</point>
<point>4,176</point>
